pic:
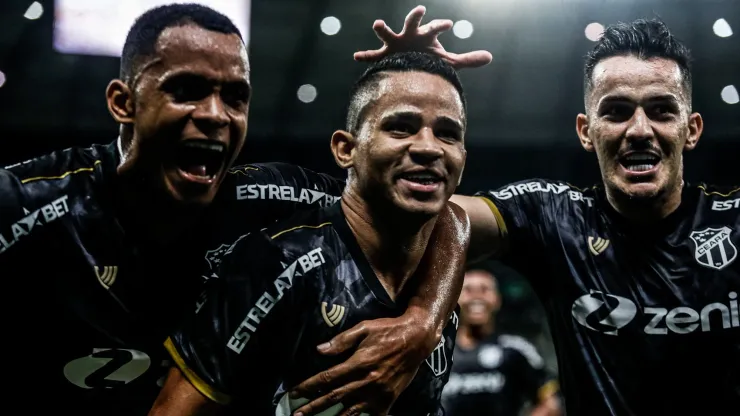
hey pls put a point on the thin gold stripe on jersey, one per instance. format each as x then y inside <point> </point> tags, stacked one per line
<point>717,193</point>
<point>63,175</point>
<point>196,381</point>
<point>298,227</point>
<point>242,170</point>
<point>547,390</point>
<point>497,214</point>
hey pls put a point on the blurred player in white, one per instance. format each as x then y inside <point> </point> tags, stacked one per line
<point>494,374</point>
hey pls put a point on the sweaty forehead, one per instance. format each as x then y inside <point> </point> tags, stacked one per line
<point>191,47</point>
<point>634,77</point>
<point>418,91</point>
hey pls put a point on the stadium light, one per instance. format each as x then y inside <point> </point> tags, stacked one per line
<point>330,25</point>
<point>594,31</point>
<point>722,28</point>
<point>2,78</point>
<point>729,95</point>
<point>35,10</point>
<point>307,93</point>
<point>462,29</point>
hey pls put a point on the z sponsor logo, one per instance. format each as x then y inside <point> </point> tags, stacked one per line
<point>602,312</point>
<point>714,248</point>
<point>107,368</point>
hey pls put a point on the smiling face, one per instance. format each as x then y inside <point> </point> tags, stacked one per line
<point>190,106</point>
<point>410,146</point>
<point>479,298</point>
<point>639,123</point>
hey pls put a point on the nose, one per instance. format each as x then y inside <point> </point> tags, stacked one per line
<point>640,128</point>
<point>425,147</point>
<point>210,113</point>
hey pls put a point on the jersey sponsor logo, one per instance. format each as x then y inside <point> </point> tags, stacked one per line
<point>33,219</point>
<point>725,205</point>
<point>437,361</point>
<point>285,193</point>
<point>589,311</point>
<point>684,320</point>
<point>597,245</point>
<point>214,258</point>
<point>267,301</point>
<point>107,368</point>
<point>334,315</point>
<point>106,275</point>
<point>714,248</point>
<point>602,312</point>
<point>490,356</point>
<point>474,383</point>
<point>523,188</point>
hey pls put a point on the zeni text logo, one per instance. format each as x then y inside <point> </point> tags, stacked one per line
<point>605,313</point>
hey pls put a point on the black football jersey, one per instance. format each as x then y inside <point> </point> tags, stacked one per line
<point>644,317</point>
<point>279,294</point>
<point>496,377</point>
<point>93,302</point>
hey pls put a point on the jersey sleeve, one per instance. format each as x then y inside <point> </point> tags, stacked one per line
<point>537,384</point>
<point>277,190</point>
<point>528,214</point>
<point>16,222</point>
<point>239,331</point>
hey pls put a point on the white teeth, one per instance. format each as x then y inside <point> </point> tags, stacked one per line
<point>477,308</point>
<point>640,157</point>
<point>641,168</point>
<point>197,144</point>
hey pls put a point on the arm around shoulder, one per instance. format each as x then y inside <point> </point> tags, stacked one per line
<point>486,232</point>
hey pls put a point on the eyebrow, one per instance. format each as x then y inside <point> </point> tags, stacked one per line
<point>622,98</point>
<point>412,114</point>
<point>185,74</point>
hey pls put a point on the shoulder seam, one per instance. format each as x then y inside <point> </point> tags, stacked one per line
<point>710,193</point>
<point>298,227</point>
<point>61,176</point>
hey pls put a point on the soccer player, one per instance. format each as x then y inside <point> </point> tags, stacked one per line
<point>295,285</point>
<point>639,275</point>
<point>492,373</point>
<point>103,246</point>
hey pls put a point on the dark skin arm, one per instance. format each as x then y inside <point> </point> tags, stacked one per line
<point>390,351</point>
<point>180,398</point>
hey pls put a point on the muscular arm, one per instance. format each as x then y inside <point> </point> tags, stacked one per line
<point>180,398</point>
<point>486,238</point>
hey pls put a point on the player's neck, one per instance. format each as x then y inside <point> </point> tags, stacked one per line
<point>393,247</point>
<point>469,336</point>
<point>646,210</point>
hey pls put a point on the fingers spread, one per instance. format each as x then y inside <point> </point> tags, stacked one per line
<point>413,19</point>
<point>435,27</point>
<point>473,59</point>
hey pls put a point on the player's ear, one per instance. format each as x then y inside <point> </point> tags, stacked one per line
<point>120,101</point>
<point>582,131</point>
<point>343,146</point>
<point>696,127</point>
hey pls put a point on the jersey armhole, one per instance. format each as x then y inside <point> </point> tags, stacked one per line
<point>502,230</point>
<point>197,382</point>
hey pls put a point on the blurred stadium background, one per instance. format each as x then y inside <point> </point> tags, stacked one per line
<point>56,58</point>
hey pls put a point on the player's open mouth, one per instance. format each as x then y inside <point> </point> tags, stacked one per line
<point>640,163</point>
<point>421,181</point>
<point>476,307</point>
<point>200,160</point>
